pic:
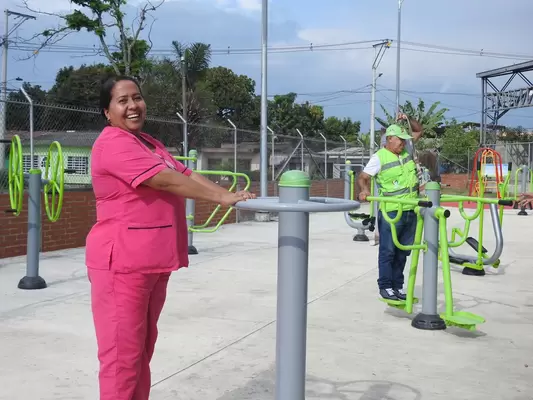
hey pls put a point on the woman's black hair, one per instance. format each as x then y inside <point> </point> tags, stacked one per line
<point>107,88</point>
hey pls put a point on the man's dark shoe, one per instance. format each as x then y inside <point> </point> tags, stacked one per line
<point>400,293</point>
<point>388,294</point>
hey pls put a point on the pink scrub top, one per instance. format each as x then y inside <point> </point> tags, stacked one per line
<point>138,229</point>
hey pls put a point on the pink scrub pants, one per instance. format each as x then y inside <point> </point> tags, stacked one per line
<point>126,308</point>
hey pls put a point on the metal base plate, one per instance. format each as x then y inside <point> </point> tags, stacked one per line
<point>428,322</point>
<point>32,283</point>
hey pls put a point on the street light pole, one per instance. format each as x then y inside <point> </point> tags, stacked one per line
<point>400,2</point>
<point>379,51</point>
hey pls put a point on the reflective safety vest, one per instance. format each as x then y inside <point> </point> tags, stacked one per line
<point>397,178</point>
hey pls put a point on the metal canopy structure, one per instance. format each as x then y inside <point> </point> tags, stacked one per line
<point>500,101</point>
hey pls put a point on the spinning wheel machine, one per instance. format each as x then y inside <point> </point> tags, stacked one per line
<point>51,183</point>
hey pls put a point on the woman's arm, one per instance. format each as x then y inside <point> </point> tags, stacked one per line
<point>174,182</point>
<point>202,180</point>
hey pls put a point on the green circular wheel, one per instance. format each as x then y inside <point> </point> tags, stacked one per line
<point>54,175</point>
<point>16,176</point>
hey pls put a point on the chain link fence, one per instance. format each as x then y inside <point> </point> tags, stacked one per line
<point>219,147</point>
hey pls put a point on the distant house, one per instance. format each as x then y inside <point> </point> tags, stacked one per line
<point>76,147</point>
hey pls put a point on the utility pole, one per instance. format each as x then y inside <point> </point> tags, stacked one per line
<point>3,102</point>
<point>379,51</point>
<point>184,105</point>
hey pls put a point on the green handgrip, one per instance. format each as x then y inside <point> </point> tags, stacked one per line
<point>234,175</point>
<point>184,158</point>
<point>55,186</point>
<point>15,176</point>
<point>395,200</point>
<point>392,221</point>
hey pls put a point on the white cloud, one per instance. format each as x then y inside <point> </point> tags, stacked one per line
<point>252,5</point>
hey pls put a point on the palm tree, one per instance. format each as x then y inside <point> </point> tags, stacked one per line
<point>430,119</point>
<point>197,58</point>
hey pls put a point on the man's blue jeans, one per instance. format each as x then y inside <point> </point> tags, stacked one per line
<point>392,260</point>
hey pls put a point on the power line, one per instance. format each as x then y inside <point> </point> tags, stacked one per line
<point>342,46</point>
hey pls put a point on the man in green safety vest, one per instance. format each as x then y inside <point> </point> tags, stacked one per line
<point>396,176</point>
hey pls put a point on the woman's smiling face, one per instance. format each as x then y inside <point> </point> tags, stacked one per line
<point>127,109</point>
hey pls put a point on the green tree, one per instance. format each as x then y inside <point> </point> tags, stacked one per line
<point>335,127</point>
<point>79,86</point>
<point>18,110</point>
<point>430,119</point>
<point>458,146</point>
<point>232,95</point>
<point>286,115</point>
<point>106,19</point>
<point>161,88</point>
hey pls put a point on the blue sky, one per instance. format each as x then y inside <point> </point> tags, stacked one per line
<point>329,77</point>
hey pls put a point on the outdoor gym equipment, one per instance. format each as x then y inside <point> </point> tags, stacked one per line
<point>359,221</point>
<point>431,221</point>
<point>478,179</point>
<point>53,187</point>
<point>294,206</point>
<point>474,265</point>
<point>524,170</point>
<point>191,161</point>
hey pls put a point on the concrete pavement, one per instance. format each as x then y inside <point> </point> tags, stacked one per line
<point>217,331</point>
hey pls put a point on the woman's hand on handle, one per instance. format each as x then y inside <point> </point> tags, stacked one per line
<point>230,199</point>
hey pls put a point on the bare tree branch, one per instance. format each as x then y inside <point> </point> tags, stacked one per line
<point>93,21</point>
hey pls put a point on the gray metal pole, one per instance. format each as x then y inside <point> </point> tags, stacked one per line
<point>263,179</point>
<point>429,318</point>
<point>373,107</point>
<point>293,258</point>
<point>235,160</point>
<point>325,161</point>
<point>272,154</point>
<point>345,148</point>
<point>234,144</point>
<point>3,103</point>
<point>185,112</point>
<point>398,56</point>
<point>301,148</point>
<point>482,127</point>
<point>185,136</point>
<point>523,185</point>
<point>294,206</point>
<point>32,280</point>
<point>189,208</point>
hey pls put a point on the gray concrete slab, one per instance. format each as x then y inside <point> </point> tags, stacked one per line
<point>217,330</point>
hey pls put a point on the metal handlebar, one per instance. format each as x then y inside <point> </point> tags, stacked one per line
<point>315,204</point>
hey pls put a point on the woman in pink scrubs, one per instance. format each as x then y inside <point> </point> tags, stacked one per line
<point>139,238</point>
